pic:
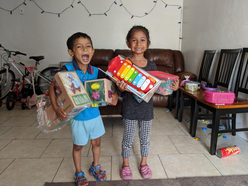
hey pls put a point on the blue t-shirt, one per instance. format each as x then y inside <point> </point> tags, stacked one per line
<point>91,74</point>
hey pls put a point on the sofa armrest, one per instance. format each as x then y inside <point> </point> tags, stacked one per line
<point>182,75</point>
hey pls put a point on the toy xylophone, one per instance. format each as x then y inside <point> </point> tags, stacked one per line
<point>124,70</point>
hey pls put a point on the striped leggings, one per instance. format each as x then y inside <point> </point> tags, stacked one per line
<point>128,137</point>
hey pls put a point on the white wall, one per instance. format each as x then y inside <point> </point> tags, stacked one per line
<point>214,24</point>
<point>46,34</point>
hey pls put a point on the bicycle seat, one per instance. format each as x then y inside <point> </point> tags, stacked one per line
<point>37,58</point>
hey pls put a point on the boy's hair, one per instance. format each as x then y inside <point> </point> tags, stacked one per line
<point>71,40</point>
<point>141,28</point>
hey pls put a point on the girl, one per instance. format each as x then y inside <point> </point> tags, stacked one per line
<point>133,112</point>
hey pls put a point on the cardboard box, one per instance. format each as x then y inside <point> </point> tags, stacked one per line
<point>100,91</point>
<point>71,96</point>
<point>145,84</point>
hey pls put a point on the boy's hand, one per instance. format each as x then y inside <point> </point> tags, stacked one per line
<point>175,85</point>
<point>61,114</point>
<point>121,86</point>
<point>115,98</point>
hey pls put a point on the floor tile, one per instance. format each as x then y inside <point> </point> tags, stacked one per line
<point>166,129</point>
<point>4,129</point>
<point>188,165</point>
<point>24,149</point>
<point>33,172</point>
<point>231,165</point>
<point>65,132</point>
<point>4,163</point>
<point>61,148</point>
<point>21,133</point>
<point>4,118</point>
<point>4,143</point>
<point>17,111</point>
<point>187,144</point>
<point>158,145</point>
<point>19,121</point>
<point>66,171</point>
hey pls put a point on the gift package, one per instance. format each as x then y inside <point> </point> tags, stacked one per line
<point>142,84</point>
<point>73,98</point>
<point>166,81</point>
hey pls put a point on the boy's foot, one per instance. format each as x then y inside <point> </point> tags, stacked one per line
<point>80,179</point>
<point>145,172</point>
<point>126,173</point>
<point>97,172</point>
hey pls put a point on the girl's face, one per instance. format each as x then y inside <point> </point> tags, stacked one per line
<point>82,51</point>
<point>138,42</point>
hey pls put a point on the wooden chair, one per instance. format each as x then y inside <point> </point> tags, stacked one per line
<point>239,106</point>
<point>204,75</point>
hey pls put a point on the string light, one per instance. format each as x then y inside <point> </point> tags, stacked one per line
<point>11,11</point>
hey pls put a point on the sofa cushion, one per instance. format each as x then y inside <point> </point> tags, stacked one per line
<point>101,58</point>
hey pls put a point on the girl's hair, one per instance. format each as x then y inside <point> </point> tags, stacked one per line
<point>71,40</point>
<point>136,28</point>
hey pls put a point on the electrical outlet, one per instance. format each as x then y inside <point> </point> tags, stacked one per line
<point>21,10</point>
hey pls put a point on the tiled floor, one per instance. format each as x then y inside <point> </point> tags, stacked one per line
<point>30,157</point>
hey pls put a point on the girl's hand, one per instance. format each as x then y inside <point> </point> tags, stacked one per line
<point>175,85</point>
<point>115,98</point>
<point>121,86</point>
<point>61,114</point>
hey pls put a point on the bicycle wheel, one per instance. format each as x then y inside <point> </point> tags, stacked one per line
<point>11,100</point>
<point>45,78</point>
<point>5,82</point>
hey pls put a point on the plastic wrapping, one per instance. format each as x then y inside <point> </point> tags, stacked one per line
<point>166,81</point>
<point>138,81</point>
<point>71,97</point>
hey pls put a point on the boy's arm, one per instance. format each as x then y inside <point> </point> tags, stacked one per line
<point>58,110</point>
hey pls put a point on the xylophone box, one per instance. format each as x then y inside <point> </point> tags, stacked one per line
<point>219,97</point>
<point>166,82</point>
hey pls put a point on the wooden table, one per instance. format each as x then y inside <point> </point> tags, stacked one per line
<point>217,110</point>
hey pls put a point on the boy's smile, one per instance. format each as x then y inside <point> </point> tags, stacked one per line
<point>82,52</point>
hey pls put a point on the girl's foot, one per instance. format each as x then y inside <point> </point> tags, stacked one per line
<point>126,173</point>
<point>145,172</point>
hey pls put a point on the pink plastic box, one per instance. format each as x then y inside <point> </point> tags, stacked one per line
<point>219,97</point>
<point>167,79</point>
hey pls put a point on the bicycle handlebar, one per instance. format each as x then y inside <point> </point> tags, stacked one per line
<point>14,53</point>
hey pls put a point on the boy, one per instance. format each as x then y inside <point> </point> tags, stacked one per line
<point>88,124</point>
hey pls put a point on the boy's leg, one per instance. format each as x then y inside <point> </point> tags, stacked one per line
<point>128,137</point>
<point>96,150</point>
<point>76,153</point>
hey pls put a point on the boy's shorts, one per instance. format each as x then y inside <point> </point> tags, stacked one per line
<point>82,131</point>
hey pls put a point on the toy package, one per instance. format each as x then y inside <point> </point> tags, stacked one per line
<point>71,96</point>
<point>139,82</point>
<point>166,82</point>
<point>100,91</point>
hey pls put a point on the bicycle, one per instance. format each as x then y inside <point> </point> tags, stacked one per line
<point>41,80</point>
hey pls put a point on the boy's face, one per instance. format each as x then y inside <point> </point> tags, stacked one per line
<point>82,51</point>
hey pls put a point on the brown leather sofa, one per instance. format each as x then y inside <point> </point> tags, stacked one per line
<point>169,61</point>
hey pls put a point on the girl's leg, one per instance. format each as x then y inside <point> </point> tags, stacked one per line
<point>128,137</point>
<point>144,135</point>
<point>96,149</point>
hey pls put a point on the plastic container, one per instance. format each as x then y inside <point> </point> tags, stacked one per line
<point>192,85</point>
<point>166,81</point>
<point>228,151</point>
<point>219,97</point>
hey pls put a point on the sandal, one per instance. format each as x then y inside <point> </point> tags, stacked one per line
<point>126,173</point>
<point>93,169</point>
<point>79,180</point>
<point>145,172</point>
